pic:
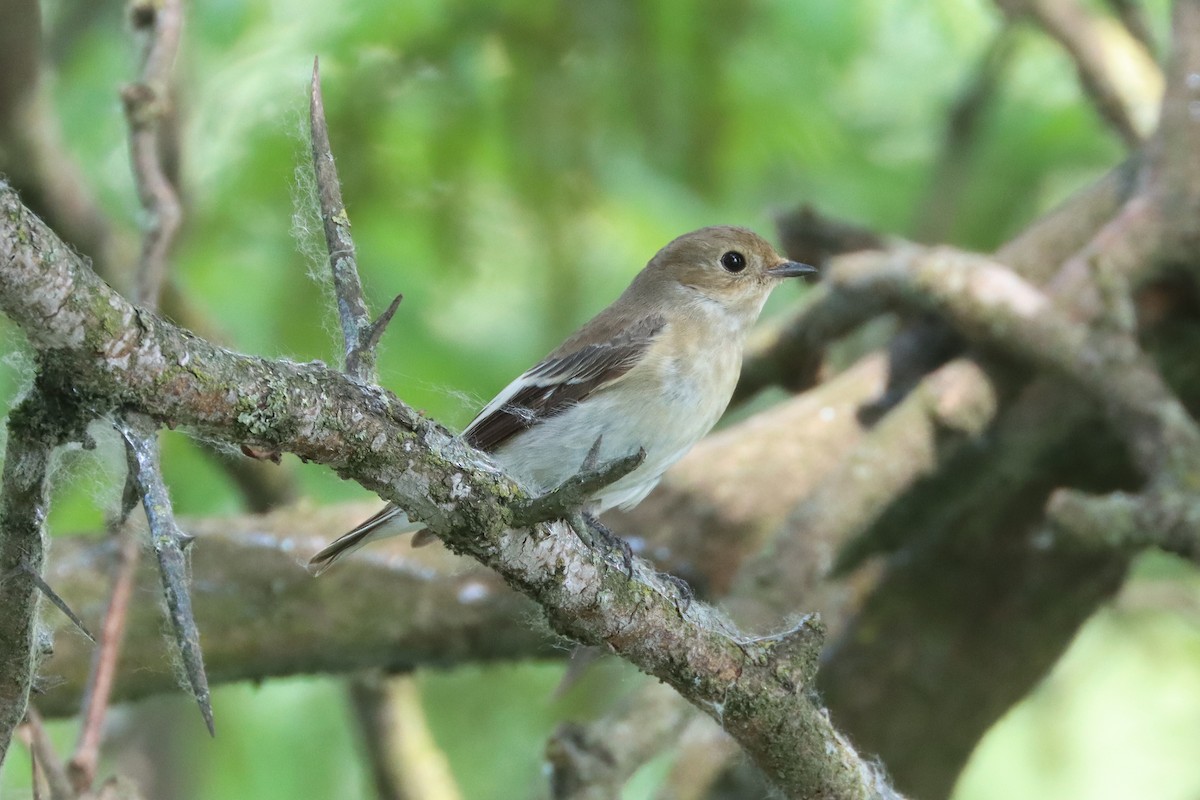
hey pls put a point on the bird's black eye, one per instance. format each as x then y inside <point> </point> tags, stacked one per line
<point>733,261</point>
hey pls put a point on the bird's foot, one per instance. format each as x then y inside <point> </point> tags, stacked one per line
<point>597,536</point>
<point>684,592</point>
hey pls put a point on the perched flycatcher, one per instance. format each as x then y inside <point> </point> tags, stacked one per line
<point>653,371</point>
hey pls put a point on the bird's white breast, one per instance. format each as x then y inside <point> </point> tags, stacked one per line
<point>664,405</point>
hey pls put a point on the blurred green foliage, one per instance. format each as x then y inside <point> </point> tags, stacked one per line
<point>508,166</point>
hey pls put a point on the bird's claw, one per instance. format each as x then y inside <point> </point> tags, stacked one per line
<point>598,537</point>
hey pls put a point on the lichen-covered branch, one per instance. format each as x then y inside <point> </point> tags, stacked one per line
<point>96,343</point>
<point>23,507</point>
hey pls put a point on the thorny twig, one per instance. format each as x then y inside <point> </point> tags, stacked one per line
<point>569,495</point>
<point>169,546</point>
<point>361,335</point>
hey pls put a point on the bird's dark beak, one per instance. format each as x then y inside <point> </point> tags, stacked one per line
<point>791,269</point>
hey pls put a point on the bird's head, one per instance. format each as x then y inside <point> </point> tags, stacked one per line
<point>733,267</point>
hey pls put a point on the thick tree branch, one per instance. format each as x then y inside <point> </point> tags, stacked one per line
<point>427,607</point>
<point>102,347</point>
<point>715,507</point>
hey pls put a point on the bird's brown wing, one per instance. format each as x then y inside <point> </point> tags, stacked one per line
<point>559,382</point>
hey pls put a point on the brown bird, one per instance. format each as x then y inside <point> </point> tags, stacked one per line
<point>653,371</point>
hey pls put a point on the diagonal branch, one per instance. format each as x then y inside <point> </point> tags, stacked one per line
<point>115,355</point>
<point>1104,62</point>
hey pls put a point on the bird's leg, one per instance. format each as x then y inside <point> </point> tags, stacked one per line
<point>590,530</point>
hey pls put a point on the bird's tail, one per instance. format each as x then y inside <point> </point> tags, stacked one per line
<point>390,521</point>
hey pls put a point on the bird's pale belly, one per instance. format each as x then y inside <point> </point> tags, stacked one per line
<point>636,414</point>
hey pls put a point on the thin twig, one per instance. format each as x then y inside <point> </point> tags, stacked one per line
<point>169,546</point>
<point>361,335</point>
<point>57,600</point>
<point>43,751</point>
<point>82,766</point>
<point>146,103</point>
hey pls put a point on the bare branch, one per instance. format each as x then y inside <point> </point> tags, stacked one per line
<point>1133,16</point>
<point>1174,180</point>
<point>82,766</point>
<point>992,306</point>
<point>705,752</point>
<point>146,103</point>
<point>47,758</point>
